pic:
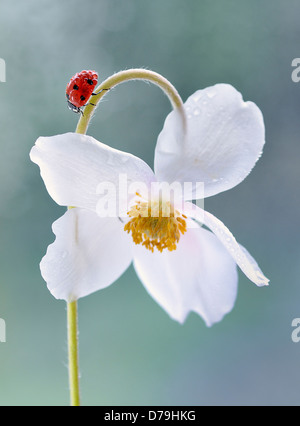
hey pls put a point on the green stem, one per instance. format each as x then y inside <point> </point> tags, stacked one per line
<point>127,75</point>
<point>73,353</point>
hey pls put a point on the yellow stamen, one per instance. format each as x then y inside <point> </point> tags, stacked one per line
<point>156,224</point>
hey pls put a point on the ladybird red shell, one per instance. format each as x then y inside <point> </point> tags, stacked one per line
<point>80,88</point>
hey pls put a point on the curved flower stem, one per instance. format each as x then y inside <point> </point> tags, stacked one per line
<point>127,75</point>
<point>73,353</point>
<point>82,126</point>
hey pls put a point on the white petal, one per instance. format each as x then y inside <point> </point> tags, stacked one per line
<point>198,276</point>
<point>224,139</point>
<point>89,254</point>
<point>244,260</point>
<point>73,166</point>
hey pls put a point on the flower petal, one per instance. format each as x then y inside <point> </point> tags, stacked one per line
<point>89,254</point>
<point>244,260</point>
<point>198,276</point>
<point>224,139</point>
<point>74,165</point>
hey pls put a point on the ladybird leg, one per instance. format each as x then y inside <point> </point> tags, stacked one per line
<point>90,103</point>
<point>95,94</point>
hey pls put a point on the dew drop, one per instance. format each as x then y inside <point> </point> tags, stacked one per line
<point>110,160</point>
<point>124,159</point>
<point>197,96</point>
<point>211,93</point>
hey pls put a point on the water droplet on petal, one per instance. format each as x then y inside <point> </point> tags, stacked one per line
<point>124,159</point>
<point>111,161</point>
<point>211,93</point>
<point>197,96</point>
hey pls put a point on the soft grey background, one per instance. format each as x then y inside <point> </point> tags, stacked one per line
<point>131,352</point>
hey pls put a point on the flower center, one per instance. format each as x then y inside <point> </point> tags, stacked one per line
<point>155,224</point>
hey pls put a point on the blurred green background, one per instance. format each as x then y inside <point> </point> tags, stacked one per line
<point>131,352</point>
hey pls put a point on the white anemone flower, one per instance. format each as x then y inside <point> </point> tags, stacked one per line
<point>183,266</point>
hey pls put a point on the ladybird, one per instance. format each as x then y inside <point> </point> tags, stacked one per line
<point>80,88</point>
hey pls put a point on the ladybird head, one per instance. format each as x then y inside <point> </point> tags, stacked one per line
<point>71,106</point>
